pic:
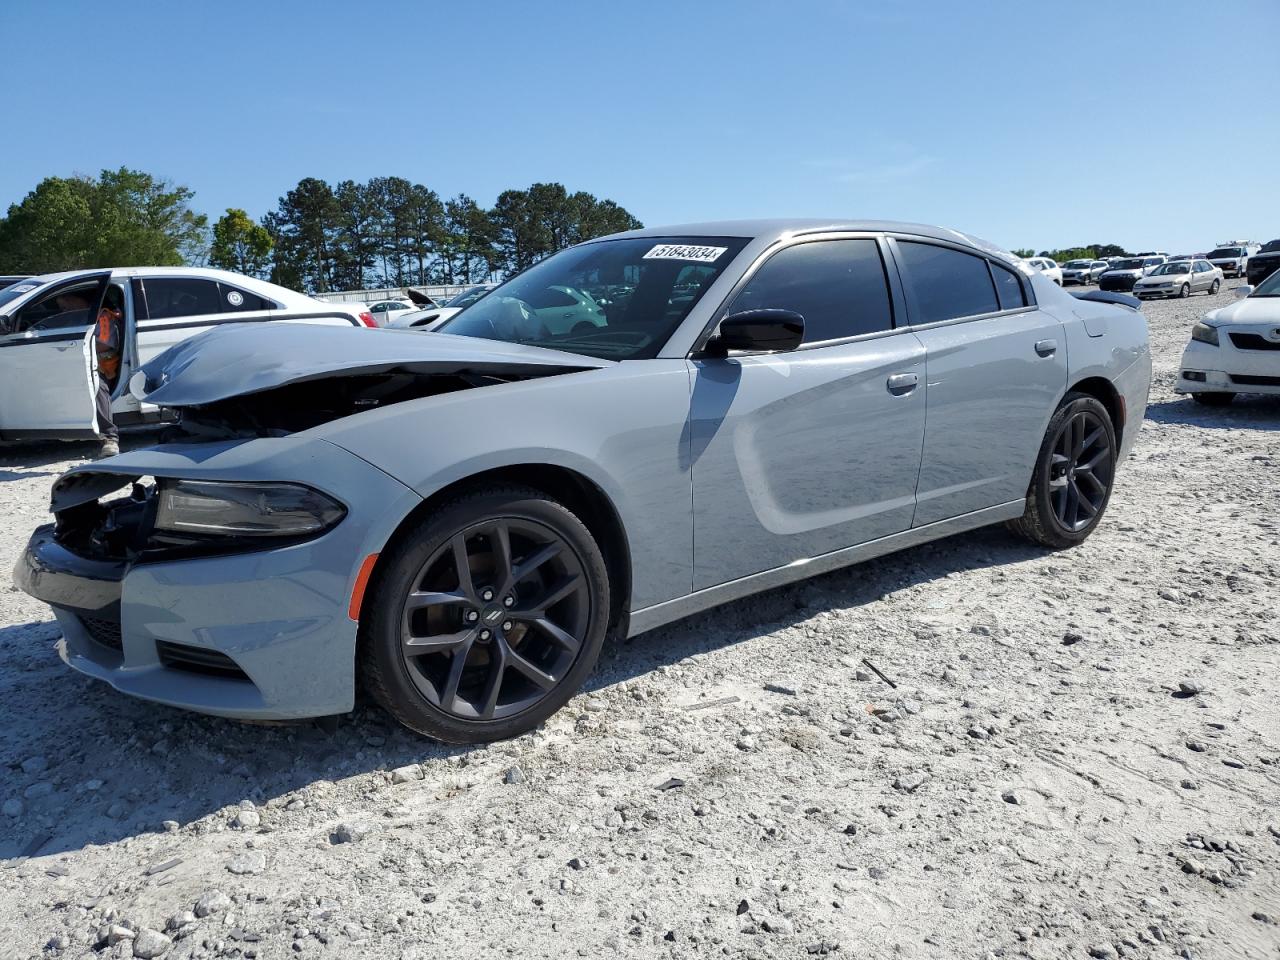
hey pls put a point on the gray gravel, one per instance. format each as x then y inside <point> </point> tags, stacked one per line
<point>1081,758</point>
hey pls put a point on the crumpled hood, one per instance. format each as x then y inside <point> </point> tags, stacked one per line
<point>232,361</point>
<point>1262,311</point>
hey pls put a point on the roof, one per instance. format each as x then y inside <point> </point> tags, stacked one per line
<point>252,284</point>
<point>779,228</point>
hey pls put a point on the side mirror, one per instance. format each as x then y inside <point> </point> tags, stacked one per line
<point>1241,292</point>
<point>765,330</point>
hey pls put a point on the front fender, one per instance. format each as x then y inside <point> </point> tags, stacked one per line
<point>625,428</point>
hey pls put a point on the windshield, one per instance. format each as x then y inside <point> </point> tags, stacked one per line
<point>1272,247</point>
<point>20,289</point>
<point>613,299</point>
<point>1269,287</point>
<point>1128,265</point>
<point>467,297</point>
<point>1079,264</point>
<point>1223,252</point>
<point>1169,268</point>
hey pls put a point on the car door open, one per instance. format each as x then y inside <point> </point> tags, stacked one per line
<point>48,376</point>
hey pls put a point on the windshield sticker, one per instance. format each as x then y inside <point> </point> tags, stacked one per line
<point>235,298</point>
<point>684,251</point>
<point>25,288</point>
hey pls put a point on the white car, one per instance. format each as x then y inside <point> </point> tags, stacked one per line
<point>1235,349</point>
<point>1179,278</point>
<point>1046,266</point>
<point>48,375</point>
<point>431,317</point>
<point>1083,271</point>
<point>386,312</point>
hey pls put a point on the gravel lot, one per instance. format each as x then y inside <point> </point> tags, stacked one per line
<point>1081,758</point>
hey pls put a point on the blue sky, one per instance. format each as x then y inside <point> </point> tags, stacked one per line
<point>1029,124</point>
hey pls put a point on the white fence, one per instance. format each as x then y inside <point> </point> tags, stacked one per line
<point>439,293</point>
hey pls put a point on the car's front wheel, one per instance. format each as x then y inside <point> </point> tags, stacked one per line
<point>485,617</point>
<point>1184,291</point>
<point>1073,476</point>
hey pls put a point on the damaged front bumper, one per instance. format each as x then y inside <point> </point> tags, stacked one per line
<point>260,634</point>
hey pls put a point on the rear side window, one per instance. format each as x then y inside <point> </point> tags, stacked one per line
<point>946,283</point>
<point>181,297</point>
<point>838,286</point>
<point>1008,288</point>
<point>234,299</point>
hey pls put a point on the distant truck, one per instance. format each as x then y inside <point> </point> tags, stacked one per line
<point>1232,257</point>
<point>1263,263</point>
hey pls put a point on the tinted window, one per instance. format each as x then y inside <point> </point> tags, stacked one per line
<point>69,307</point>
<point>947,283</point>
<point>181,297</point>
<point>838,286</point>
<point>1008,288</point>
<point>233,299</point>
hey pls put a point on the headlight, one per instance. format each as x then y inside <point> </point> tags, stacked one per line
<point>1205,333</point>
<point>244,509</point>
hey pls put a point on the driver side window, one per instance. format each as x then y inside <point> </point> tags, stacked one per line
<point>67,308</point>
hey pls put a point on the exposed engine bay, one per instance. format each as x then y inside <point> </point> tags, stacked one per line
<point>287,409</point>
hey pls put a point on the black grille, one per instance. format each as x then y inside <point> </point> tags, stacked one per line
<point>179,656</point>
<point>1247,380</point>
<point>104,632</point>
<point>1253,341</point>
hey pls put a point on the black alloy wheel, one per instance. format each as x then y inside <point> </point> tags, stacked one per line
<point>1074,474</point>
<point>488,617</point>
<point>1081,467</point>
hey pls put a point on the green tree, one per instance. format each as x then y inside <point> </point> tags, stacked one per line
<point>304,229</point>
<point>122,218</point>
<point>240,245</point>
<point>466,250</point>
<point>530,224</point>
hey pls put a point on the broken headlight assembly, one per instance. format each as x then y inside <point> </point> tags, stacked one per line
<point>203,508</point>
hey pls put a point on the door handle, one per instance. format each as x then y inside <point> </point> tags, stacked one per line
<point>900,384</point>
<point>1046,348</point>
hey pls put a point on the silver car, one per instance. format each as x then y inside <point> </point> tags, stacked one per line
<point>457,520</point>
<point>1083,271</point>
<point>1179,278</point>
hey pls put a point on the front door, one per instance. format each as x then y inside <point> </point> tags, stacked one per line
<point>48,380</point>
<point>798,454</point>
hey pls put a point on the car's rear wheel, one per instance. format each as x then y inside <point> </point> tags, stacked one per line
<point>1214,398</point>
<point>1214,288</point>
<point>1073,477</point>
<point>1184,291</point>
<point>485,617</point>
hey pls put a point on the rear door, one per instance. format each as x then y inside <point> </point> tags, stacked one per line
<point>996,366</point>
<point>48,380</point>
<point>172,308</point>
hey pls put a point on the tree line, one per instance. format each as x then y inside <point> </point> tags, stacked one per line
<point>387,231</point>
<point>1094,251</point>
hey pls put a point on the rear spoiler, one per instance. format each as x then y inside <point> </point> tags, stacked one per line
<point>1103,296</point>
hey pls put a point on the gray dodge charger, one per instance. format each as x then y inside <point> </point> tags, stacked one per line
<point>630,431</point>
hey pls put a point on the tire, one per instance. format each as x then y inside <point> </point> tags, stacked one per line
<point>528,628</point>
<point>1213,289</point>
<point>1061,511</point>
<point>1214,399</point>
<point>1184,291</point>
